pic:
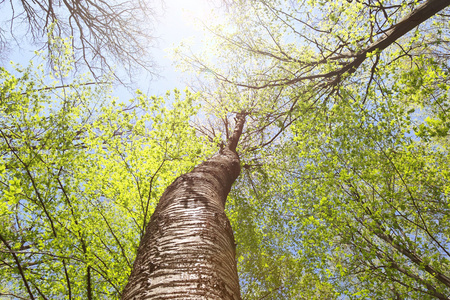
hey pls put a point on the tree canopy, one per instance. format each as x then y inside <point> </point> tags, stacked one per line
<point>81,172</point>
<point>344,191</point>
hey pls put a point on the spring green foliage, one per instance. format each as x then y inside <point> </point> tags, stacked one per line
<point>81,174</point>
<point>344,190</point>
<point>345,187</point>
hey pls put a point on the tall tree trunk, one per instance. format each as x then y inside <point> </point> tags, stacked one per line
<point>188,250</point>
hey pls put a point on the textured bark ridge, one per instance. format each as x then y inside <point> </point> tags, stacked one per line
<point>188,249</point>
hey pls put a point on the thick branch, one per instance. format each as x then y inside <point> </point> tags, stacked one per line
<point>413,257</point>
<point>239,126</point>
<point>412,20</point>
<point>19,267</point>
<point>422,13</point>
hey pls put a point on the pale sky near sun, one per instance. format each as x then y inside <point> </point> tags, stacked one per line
<point>178,23</point>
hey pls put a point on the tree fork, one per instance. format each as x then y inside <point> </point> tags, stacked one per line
<point>188,249</point>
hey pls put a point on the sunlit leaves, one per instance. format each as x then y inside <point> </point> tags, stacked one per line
<point>380,191</point>
<point>354,193</point>
<point>80,176</point>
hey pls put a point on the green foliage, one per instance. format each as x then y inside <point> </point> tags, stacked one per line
<point>80,175</point>
<point>353,203</point>
<point>380,198</point>
<point>344,190</point>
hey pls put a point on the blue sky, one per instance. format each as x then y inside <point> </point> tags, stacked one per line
<point>175,24</point>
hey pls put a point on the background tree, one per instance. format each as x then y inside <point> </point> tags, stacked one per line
<point>80,175</point>
<point>105,34</point>
<point>387,194</point>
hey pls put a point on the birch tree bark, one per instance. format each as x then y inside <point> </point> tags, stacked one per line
<point>188,250</point>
